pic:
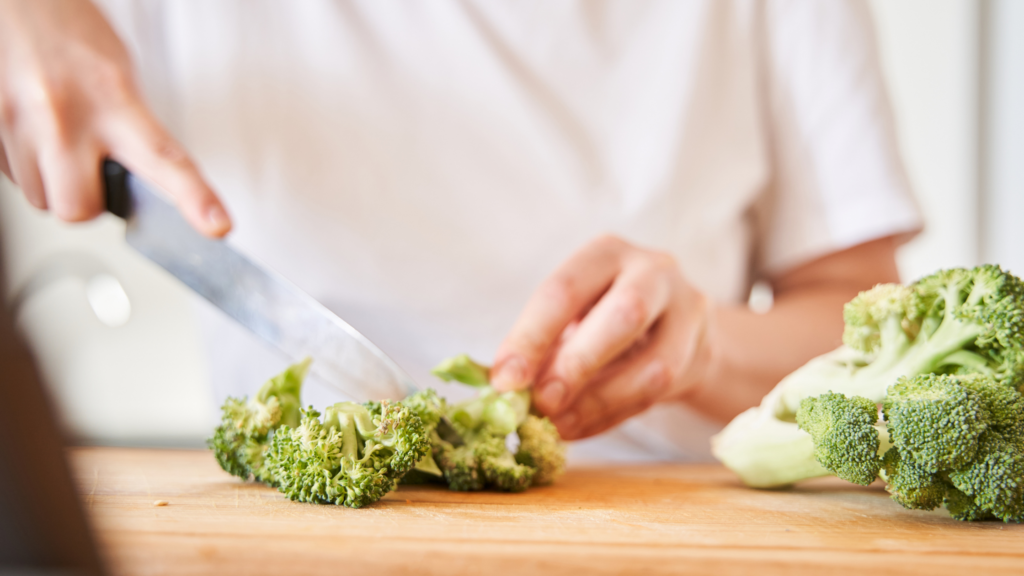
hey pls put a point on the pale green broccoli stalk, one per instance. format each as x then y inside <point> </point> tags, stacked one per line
<point>472,452</point>
<point>241,440</point>
<point>954,321</point>
<point>944,359</point>
<point>353,457</point>
<point>463,369</point>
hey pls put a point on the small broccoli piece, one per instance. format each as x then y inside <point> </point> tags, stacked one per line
<point>912,486</point>
<point>962,507</point>
<point>471,451</point>
<point>241,440</point>
<point>459,465</point>
<point>995,479</point>
<point>934,421</point>
<point>499,466</point>
<point>354,457</point>
<point>845,439</point>
<point>463,369</point>
<point>541,448</point>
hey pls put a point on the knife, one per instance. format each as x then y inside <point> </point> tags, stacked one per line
<point>257,298</point>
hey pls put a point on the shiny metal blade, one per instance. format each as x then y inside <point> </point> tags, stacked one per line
<point>262,301</point>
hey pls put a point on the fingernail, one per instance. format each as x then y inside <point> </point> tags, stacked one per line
<point>552,394</point>
<point>510,375</point>
<point>217,217</point>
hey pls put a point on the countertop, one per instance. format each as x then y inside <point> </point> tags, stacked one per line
<point>670,518</point>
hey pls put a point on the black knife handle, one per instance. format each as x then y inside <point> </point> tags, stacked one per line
<point>115,184</point>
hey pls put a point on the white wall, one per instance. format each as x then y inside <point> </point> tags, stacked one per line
<point>1002,237</point>
<point>930,56</point>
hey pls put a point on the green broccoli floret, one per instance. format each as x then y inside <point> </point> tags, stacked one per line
<point>540,447</point>
<point>912,486</point>
<point>241,440</point>
<point>472,452</point>
<point>354,456</point>
<point>844,434</point>
<point>934,421</point>
<point>945,358</point>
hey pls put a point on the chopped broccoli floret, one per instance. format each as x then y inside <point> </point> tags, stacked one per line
<point>540,447</point>
<point>945,358</point>
<point>354,454</point>
<point>354,457</point>
<point>844,435</point>
<point>241,440</point>
<point>475,456</point>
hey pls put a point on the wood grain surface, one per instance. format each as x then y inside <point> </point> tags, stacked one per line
<point>695,519</point>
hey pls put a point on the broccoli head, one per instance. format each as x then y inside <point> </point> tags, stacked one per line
<point>945,359</point>
<point>844,434</point>
<point>241,440</point>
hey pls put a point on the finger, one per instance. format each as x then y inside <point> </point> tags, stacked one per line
<point>71,177</point>
<point>138,141</point>
<point>608,403</point>
<point>562,298</point>
<point>5,167</point>
<point>623,315</point>
<point>24,172</point>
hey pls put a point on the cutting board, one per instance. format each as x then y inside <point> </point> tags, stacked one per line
<point>678,518</point>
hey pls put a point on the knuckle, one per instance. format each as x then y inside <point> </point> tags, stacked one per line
<point>559,291</point>
<point>658,378</point>
<point>631,311</point>
<point>609,243</point>
<point>577,367</point>
<point>168,150</point>
<point>112,82</point>
<point>76,206</point>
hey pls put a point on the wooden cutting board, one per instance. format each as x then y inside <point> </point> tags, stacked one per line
<point>696,519</point>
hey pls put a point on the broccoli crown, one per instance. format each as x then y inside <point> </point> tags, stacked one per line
<point>353,457</point>
<point>241,439</point>
<point>995,478</point>
<point>541,448</point>
<point>934,420</point>
<point>889,308</point>
<point>985,307</point>
<point>910,485</point>
<point>945,359</point>
<point>845,439</point>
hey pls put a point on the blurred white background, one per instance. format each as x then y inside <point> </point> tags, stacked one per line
<point>956,78</point>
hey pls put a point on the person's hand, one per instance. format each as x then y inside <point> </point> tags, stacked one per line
<point>68,100</point>
<point>613,331</point>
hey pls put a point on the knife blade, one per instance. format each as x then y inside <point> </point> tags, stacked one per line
<point>253,295</point>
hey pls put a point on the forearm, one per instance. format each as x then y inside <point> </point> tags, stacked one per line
<point>748,353</point>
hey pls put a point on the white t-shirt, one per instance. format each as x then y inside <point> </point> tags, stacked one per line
<point>419,167</point>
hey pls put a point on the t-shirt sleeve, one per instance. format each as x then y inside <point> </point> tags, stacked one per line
<point>838,179</point>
